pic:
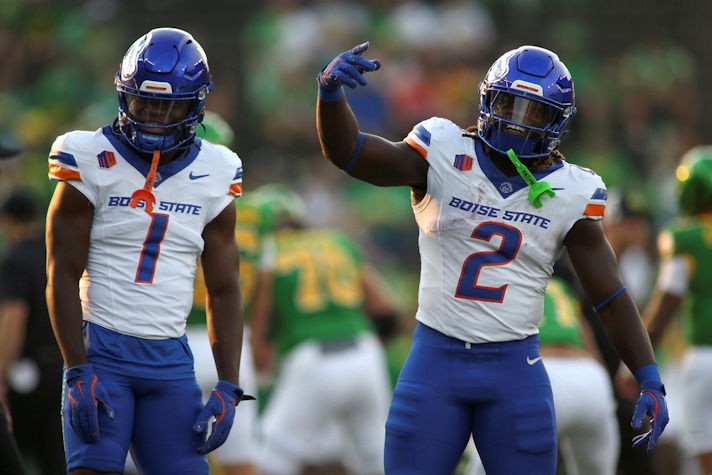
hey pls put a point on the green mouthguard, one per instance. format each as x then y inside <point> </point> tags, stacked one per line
<point>536,188</point>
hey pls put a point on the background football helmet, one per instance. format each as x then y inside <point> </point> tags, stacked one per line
<point>217,130</point>
<point>284,204</point>
<point>162,85</point>
<point>526,99</point>
<point>694,178</point>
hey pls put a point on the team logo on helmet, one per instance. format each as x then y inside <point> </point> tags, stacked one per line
<point>129,65</point>
<point>499,69</point>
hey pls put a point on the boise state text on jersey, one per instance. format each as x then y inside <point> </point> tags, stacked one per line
<point>162,205</point>
<point>492,212</point>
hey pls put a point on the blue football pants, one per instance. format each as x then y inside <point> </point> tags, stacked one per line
<point>448,390</point>
<point>155,417</point>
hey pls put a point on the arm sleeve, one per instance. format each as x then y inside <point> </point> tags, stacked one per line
<point>675,267</point>
<point>674,275</point>
<point>269,254</point>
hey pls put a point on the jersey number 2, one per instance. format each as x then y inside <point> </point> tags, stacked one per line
<point>151,248</point>
<point>467,287</point>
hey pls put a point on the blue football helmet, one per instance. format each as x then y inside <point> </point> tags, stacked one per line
<point>162,86</point>
<point>526,99</point>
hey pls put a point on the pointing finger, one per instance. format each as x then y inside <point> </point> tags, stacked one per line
<point>358,49</point>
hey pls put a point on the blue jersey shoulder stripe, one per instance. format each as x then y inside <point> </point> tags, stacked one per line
<point>423,134</point>
<point>600,194</point>
<point>63,157</point>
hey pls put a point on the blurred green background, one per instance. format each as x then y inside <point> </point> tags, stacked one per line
<point>642,72</point>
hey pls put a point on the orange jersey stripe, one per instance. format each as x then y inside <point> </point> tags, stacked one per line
<point>61,173</point>
<point>423,153</point>
<point>235,189</point>
<point>594,210</point>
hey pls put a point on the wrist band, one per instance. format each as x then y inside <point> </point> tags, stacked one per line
<point>354,156</point>
<point>327,95</point>
<point>608,299</point>
<point>649,377</point>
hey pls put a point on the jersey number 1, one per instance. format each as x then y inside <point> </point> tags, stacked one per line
<point>467,287</point>
<point>151,248</point>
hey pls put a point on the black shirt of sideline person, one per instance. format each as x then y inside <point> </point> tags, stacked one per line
<point>33,398</point>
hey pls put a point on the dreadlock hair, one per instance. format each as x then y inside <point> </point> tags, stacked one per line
<point>534,164</point>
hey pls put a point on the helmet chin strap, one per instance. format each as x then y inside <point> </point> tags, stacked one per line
<point>145,194</point>
<point>155,141</point>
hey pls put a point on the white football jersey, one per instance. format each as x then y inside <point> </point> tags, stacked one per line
<point>140,268</point>
<point>486,252</point>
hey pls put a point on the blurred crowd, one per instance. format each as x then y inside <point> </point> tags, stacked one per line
<point>641,98</point>
<point>639,108</point>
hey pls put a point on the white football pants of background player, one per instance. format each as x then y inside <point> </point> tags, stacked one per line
<point>241,445</point>
<point>321,392</point>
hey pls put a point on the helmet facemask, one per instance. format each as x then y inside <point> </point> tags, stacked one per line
<point>530,126</point>
<point>158,122</point>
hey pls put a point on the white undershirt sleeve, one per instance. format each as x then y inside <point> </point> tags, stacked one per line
<point>674,275</point>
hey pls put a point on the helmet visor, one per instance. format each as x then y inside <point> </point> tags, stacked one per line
<point>157,112</point>
<point>518,110</point>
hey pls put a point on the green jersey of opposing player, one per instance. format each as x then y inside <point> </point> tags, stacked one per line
<point>561,324</point>
<point>685,248</point>
<point>684,283</point>
<point>317,291</point>
<point>689,241</point>
<point>252,224</point>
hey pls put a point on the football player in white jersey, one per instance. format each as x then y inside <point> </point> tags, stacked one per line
<point>137,203</point>
<point>489,232</point>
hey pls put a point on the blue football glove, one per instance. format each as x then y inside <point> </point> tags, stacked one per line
<point>221,405</point>
<point>651,402</point>
<point>85,394</point>
<point>347,69</point>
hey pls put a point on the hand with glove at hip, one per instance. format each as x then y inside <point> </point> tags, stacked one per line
<point>222,403</point>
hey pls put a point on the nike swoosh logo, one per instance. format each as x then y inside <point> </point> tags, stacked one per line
<point>558,189</point>
<point>531,361</point>
<point>195,177</point>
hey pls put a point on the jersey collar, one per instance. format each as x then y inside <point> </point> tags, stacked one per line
<point>507,185</point>
<point>164,171</point>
